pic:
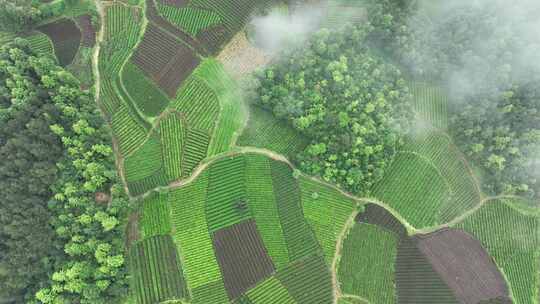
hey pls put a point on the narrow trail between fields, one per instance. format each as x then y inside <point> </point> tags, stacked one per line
<point>97,49</point>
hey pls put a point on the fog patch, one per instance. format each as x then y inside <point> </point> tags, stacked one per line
<point>278,31</point>
<point>498,43</point>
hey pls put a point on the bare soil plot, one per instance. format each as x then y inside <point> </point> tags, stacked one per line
<point>240,57</point>
<point>242,257</point>
<point>88,30</point>
<point>379,216</point>
<point>66,38</point>
<point>416,280</point>
<point>463,264</point>
<point>213,38</point>
<point>164,59</point>
<point>153,15</point>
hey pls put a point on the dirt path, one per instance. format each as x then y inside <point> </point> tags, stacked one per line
<point>97,49</point>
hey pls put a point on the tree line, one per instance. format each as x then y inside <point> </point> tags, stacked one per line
<point>61,243</point>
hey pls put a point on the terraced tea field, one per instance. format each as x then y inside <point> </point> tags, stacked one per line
<point>225,216</point>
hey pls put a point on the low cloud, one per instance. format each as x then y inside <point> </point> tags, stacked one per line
<point>278,31</point>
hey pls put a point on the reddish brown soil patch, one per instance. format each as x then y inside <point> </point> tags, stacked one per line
<point>242,257</point>
<point>66,38</point>
<point>102,198</point>
<point>213,38</point>
<point>379,216</point>
<point>88,30</point>
<point>177,3</point>
<point>464,265</point>
<point>416,280</point>
<point>154,17</point>
<point>164,59</point>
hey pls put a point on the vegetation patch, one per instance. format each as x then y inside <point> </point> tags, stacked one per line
<point>263,130</point>
<point>156,270</point>
<point>226,199</point>
<point>414,188</point>
<point>353,110</point>
<point>326,210</point>
<point>190,19</point>
<point>366,267</point>
<point>510,236</point>
<point>188,217</point>
<point>149,99</point>
<point>308,280</point>
<point>155,215</point>
<point>163,58</point>
<point>299,237</point>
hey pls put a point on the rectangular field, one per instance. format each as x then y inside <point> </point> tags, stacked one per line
<point>242,257</point>
<point>157,272</point>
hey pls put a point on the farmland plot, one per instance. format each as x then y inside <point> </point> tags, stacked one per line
<point>156,215</point>
<point>308,280</point>
<point>464,265</point>
<point>188,217</point>
<point>366,267</point>
<point>173,134</point>
<point>262,204</point>
<point>326,210</point>
<point>415,188</point>
<point>87,29</point>
<point>144,169</point>
<point>41,43</point>
<point>121,34</point>
<point>212,107</point>
<point>232,114</point>
<point>443,154</point>
<point>233,14</point>
<point>242,257</point>
<point>263,130</point>
<point>226,199</point>
<point>377,215</point>
<point>510,235</point>
<point>163,58</point>
<point>299,237</point>
<point>416,280</point>
<point>149,99</point>
<point>66,38</point>
<point>190,19</point>
<point>431,104</point>
<point>268,292</point>
<point>157,272</point>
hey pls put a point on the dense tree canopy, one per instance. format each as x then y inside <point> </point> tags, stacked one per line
<point>352,105</point>
<point>17,15</point>
<point>71,244</point>
<point>29,152</point>
<point>484,54</point>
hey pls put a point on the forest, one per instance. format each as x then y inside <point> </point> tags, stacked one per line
<point>53,134</point>
<point>348,92</point>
